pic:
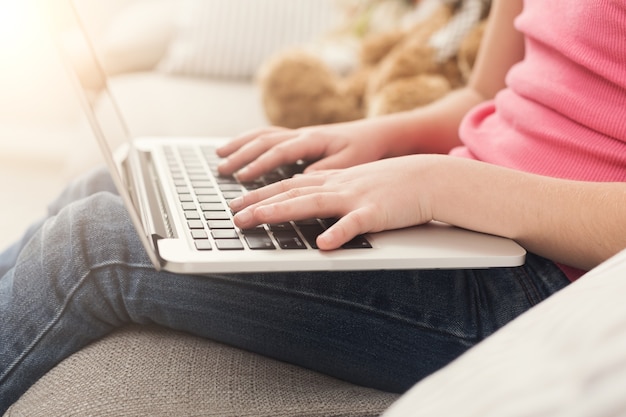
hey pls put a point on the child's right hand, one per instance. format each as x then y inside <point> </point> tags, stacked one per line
<point>329,147</point>
<point>389,194</point>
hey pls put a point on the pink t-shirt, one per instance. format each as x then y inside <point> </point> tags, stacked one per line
<point>563,113</point>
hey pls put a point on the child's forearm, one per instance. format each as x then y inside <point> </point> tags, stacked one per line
<point>430,129</point>
<point>434,128</point>
<point>576,223</point>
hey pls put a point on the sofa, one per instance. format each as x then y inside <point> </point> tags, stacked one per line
<point>566,357</point>
<point>164,89</point>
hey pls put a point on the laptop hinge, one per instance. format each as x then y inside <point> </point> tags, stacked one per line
<point>146,191</point>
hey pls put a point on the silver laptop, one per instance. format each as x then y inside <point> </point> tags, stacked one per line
<point>179,203</point>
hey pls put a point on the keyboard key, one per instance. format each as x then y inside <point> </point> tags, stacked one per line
<point>259,241</point>
<point>358,242</point>
<point>230,187</point>
<point>200,178</point>
<point>224,234</point>
<point>188,206</point>
<point>216,215</point>
<point>199,234</point>
<point>228,244</point>
<point>272,177</point>
<point>212,207</point>
<point>328,222</point>
<point>196,170</point>
<point>310,233</point>
<point>290,170</point>
<point>211,198</point>
<point>201,184</point>
<point>192,215</point>
<point>255,185</point>
<point>289,240</point>
<point>226,180</point>
<point>257,229</point>
<point>205,191</point>
<point>203,244</point>
<point>281,227</point>
<point>230,195</point>
<point>195,224</point>
<point>221,224</point>
<point>307,222</point>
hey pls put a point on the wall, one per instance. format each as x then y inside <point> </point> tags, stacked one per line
<point>40,119</point>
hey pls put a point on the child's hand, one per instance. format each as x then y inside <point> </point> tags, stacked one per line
<point>333,146</point>
<point>366,198</point>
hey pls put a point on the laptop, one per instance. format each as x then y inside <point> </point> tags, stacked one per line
<point>179,203</point>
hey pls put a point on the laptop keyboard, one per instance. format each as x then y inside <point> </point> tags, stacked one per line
<point>204,195</point>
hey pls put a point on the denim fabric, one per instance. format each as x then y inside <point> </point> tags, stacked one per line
<point>83,273</point>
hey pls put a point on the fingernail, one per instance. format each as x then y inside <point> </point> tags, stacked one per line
<point>243,171</point>
<point>244,217</point>
<point>236,204</point>
<point>222,166</point>
<point>325,238</point>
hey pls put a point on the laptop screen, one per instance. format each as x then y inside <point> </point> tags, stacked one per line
<point>80,56</point>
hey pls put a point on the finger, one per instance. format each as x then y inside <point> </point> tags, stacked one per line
<point>252,150</point>
<point>239,141</point>
<point>354,223</point>
<point>285,207</point>
<point>283,153</point>
<point>336,161</point>
<point>283,187</point>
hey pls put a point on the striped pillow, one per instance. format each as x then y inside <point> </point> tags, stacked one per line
<point>231,38</point>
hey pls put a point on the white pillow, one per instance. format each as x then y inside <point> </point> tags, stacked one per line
<point>231,38</point>
<point>566,357</point>
<point>138,37</point>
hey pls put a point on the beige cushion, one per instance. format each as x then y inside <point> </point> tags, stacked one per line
<point>156,372</point>
<point>138,36</point>
<point>155,104</point>
<point>162,105</point>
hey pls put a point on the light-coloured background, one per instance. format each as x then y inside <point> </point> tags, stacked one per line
<point>42,128</point>
<point>163,82</point>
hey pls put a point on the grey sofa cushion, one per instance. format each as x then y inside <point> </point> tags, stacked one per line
<point>140,371</point>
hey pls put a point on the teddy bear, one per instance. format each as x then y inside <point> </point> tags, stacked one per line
<point>430,52</point>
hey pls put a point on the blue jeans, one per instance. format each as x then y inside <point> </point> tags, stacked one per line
<point>81,273</point>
